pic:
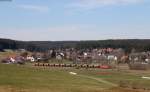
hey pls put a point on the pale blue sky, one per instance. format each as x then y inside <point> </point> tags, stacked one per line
<point>75,19</point>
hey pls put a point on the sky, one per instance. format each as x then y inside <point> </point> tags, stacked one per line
<point>63,20</point>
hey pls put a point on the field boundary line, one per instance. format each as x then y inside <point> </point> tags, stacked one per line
<point>99,80</point>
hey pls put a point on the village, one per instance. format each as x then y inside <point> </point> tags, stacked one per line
<point>106,58</point>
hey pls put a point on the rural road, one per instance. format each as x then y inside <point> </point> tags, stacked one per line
<point>99,80</point>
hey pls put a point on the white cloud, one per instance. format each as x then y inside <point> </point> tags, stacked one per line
<point>35,8</point>
<point>92,4</point>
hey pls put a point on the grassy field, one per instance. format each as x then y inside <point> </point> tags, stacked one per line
<point>16,78</point>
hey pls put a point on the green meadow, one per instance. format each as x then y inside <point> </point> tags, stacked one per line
<point>27,78</point>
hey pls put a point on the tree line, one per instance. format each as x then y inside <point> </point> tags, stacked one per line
<point>40,46</point>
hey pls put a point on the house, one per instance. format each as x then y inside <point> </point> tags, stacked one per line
<point>14,60</point>
<point>30,58</point>
<point>20,60</point>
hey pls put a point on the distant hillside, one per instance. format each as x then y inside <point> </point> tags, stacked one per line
<point>127,44</point>
<point>35,45</point>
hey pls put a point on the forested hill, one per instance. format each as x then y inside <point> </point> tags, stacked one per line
<point>127,44</point>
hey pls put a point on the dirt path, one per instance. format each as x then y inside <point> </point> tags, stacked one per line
<point>99,80</point>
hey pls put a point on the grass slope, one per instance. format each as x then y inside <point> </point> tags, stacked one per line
<point>21,77</point>
<point>15,78</point>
